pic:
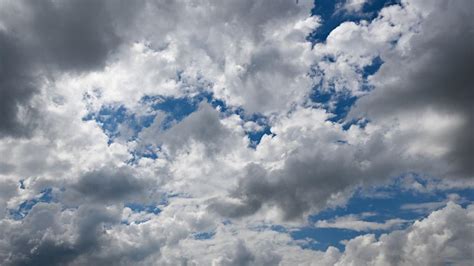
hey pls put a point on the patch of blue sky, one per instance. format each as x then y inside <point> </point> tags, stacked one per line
<point>322,238</point>
<point>108,117</point>
<point>111,117</point>
<point>255,136</point>
<point>117,121</point>
<point>204,235</point>
<point>226,222</point>
<point>360,122</point>
<point>148,208</point>
<point>179,108</point>
<point>382,203</point>
<point>149,151</point>
<point>340,103</point>
<point>272,227</point>
<point>372,68</point>
<point>24,208</point>
<point>22,184</point>
<point>164,201</point>
<point>332,15</point>
<point>176,109</point>
<point>262,121</point>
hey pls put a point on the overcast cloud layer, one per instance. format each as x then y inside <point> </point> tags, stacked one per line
<point>191,132</point>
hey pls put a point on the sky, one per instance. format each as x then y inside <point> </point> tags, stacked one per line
<point>239,132</point>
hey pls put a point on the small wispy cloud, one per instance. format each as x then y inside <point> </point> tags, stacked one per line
<point>355,222</point>
<point>354,6</point>
<point>427,207</point>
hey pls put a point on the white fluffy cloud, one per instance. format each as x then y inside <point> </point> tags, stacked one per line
<point>444,237</point>
<point>254,54</point>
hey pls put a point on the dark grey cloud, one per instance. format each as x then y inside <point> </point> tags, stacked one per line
<point>53,235</point>
<point>72,35</point>
<point>16,87</point>
<point>27,247</point>
<point>108,185</point>
<point>311,178</point>
<point>45,237</point>
<point>39,38</point>
<point>435,74</point>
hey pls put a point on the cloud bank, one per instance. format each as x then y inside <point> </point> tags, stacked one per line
<point>208,132</point>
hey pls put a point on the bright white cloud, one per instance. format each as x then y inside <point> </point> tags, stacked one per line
<point>354,5</point>
<point>444,237</point>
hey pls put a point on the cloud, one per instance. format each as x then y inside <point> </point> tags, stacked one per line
<point>104,185</point>
<point>431,82</point>
<point>16,88</point>
<point>39,39</point>
<point>202,126</point>
<point>354,6</point>
<point>263,70</point>
<point>240,256</point>
<point>443,237</point>
<point>315,170</point>
<point>48,236</point>
<point>427,207</point>
<point>354,222</point>
<point>61,62</point>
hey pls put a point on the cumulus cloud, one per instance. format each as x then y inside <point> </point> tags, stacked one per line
<point>394,142</point>
<point>204,195</point>
<point>263,69</point>
<point>49,236</point>
<point>38,38</point>
<point>308,176</point>
<point>93,235</point>
<point>431,82</point>
<point>202,126</point>
<point>109,185</point>
<point>438,239</point>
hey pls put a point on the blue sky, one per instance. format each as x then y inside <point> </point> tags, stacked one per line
<point>388,202</point>
<point>331,17</point>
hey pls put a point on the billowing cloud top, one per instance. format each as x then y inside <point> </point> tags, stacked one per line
<point>236,132</point>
